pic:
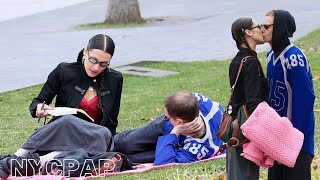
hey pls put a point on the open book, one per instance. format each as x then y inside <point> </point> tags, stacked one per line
<point>60,111</point>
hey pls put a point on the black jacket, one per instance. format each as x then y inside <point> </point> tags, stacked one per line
<point>252,85</point>
<point>69,82</point>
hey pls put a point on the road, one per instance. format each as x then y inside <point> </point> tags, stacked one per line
<point>31,46</point>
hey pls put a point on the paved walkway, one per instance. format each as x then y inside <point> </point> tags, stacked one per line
<point>32,46</point>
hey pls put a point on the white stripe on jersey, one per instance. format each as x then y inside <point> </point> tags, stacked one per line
<point>281,54</point>
<point>284,69</point>
<point>308,66</point>
<point>269,57</point>
<point>214,109</point>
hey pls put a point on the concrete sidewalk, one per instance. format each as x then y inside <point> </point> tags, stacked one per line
<point>32,46</point>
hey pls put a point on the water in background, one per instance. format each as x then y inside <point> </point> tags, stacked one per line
<point>10,9</point>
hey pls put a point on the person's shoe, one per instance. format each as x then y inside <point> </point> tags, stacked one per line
<point>4,170</point>
<point>4,156</point>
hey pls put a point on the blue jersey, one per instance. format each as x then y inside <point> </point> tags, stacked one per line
<point>182,149</point>
<point>291,91</point>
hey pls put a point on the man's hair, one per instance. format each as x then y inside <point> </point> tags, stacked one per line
<point>183,105</point>
<point>270,13</point>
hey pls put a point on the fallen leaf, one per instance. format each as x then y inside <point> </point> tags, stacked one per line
<point>147,119</point>
<point>314,165</point>
<point>316,78</point>
<point>221,177</point>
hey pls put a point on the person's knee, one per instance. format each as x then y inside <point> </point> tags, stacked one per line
<point>109,140</point>
<point>63,121</point>
<point>159,120</point>
<point>119,144</point>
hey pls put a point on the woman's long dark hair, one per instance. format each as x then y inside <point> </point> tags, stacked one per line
<point>106,44</point>
<point>238,34</point>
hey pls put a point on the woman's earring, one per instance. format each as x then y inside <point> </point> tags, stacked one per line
<point>83,58</point>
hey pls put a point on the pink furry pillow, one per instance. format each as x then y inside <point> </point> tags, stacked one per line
<point>273,134</point>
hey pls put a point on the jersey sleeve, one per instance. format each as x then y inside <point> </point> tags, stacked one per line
<point>300,79</point>
<point>166,151</point>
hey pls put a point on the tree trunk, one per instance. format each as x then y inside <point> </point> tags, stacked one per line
<point>123,12</point>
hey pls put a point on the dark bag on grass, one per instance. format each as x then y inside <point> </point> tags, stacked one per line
<point>229,129</point>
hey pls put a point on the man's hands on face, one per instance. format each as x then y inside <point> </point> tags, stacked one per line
<point>190,128</point>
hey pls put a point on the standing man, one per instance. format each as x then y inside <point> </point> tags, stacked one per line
<point>291,91</point>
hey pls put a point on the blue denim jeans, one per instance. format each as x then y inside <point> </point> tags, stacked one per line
<point>139,144</point>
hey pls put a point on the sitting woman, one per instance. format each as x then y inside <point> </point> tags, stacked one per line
<point>87,84</point>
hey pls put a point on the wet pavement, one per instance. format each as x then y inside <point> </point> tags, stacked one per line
<point>32,46</point>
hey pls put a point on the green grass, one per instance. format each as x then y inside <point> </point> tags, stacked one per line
<point>142,100</point>
<point>103,25</point>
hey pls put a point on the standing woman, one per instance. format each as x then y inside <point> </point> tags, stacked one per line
<point>87,84</point>
<point>251,89</point>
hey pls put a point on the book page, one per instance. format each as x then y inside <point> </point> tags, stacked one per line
<point>83,112</point>
<point>60,111</point>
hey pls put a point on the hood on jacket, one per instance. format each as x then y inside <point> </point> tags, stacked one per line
<point>283,28</point>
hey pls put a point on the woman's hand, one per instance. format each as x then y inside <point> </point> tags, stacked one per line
<point>42,113</point>
<point>191,128</point>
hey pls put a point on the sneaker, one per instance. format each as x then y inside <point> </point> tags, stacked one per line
<point>4,170</point>
<point>4,156</point>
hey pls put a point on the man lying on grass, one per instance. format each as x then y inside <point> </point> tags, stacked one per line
<point>193,123</point>
<point>186,133</point>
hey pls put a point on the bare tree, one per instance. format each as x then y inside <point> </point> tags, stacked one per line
<point>123,12</point>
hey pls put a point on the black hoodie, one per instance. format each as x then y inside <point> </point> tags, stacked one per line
<point>283,27</point>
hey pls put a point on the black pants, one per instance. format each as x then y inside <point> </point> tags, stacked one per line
<point>240,168</point>
<point>300,171</point>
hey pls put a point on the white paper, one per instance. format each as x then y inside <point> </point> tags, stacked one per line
<point>59,111</point>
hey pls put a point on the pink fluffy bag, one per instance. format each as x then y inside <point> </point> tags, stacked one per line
<point>274,135</point>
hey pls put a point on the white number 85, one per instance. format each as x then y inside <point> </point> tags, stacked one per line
<point>294,60</point>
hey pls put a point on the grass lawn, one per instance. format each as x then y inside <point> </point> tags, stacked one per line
<point>103,25</point>
<point>142,100</point>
